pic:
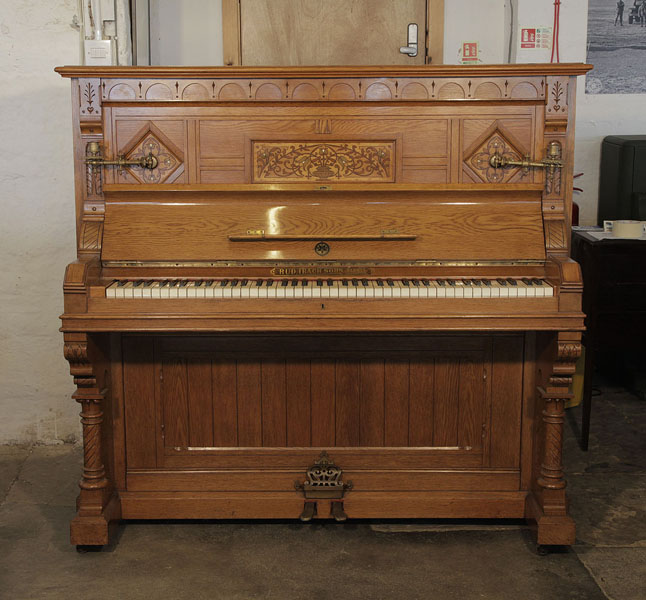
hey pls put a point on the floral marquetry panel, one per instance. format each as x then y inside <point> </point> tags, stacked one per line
<point>316,161</point>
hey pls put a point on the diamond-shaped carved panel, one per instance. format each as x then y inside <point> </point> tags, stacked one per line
<point>494,143</point>
<point>170,159</point>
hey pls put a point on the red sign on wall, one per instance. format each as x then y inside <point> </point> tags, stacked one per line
<point>469,52</point>
<point>528,38</point>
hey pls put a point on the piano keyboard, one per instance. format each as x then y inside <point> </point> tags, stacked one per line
<point>330,288</point>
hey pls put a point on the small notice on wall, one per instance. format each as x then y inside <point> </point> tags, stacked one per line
<point>536,38</point>
<point>470,53</point>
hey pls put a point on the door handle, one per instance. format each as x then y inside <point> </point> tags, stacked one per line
<point>411,49</point>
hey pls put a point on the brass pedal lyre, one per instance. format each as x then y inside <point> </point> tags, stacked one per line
<point>323,483</point>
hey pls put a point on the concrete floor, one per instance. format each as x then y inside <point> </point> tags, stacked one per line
<point>242,560</point>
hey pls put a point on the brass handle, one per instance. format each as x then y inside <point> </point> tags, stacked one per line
<point>551,161</point>
<point>399,237</point>
<point>94,158</point>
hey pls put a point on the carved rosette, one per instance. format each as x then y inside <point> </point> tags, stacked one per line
<point>168,162</point>
<point>303,162</point>
<point>494,144</point>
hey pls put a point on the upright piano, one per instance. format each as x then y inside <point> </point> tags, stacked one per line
<point>323,293</point>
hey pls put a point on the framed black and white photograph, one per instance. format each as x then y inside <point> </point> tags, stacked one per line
<point>616,47</point>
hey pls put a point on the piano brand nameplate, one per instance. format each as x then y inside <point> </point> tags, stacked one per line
<point>289,271</point>
<point>300,162</point>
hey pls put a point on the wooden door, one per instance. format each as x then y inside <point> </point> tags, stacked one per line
<point>334,32</point>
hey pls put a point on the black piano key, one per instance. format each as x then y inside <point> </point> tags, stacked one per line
<point>390,282</point>
<point>380,282</point>
<point>183,283</point>
<point>441,282</point>
<point>234,283</point>
<point>512,281</point>
<point>330,283</point>
<point>137,283</point>
<point>224,283</point>
<point>406,282</point>
<point>527,281</point>
<point>486,282</point>
<point>319,282</point>
<point>466,281</point>
<point>259,283</point>
<point>451,282</point>
<point>284,283</point>
<point>501,281</point>
<point>270,282</point>
<point>426,282</point>
<point>304,283</point>
<point>355,282</point>
<point>537,281</point>
<point>416,282</point>
<point>294,282</point>
<point>364,283</point>
<point>477,282</point>
<point>344,282</point>
<point>244,283</point>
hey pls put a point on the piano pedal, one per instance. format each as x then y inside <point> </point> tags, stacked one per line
<point>323,482</point>
<point>309,510</point>
<point>337,512</point>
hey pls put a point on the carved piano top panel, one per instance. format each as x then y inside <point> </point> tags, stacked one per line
<point>199,130</point>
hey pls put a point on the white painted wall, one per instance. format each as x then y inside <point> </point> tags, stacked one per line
<point>37,218</point>
<point>598,115</point>
<point>36,185</point>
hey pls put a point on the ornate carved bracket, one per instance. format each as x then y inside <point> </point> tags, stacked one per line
<point>553,414</point>
<point>90,398</point>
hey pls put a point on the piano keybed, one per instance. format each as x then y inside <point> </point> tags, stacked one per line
<point>239,288</point>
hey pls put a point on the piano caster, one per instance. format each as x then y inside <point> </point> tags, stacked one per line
<point>84,548</point>
<point>309,510</point>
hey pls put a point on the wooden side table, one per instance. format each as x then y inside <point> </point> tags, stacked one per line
<point>614,301</point>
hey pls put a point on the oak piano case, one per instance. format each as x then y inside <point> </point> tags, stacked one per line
<point>323,293</point>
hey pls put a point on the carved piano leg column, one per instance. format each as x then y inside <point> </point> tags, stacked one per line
<point>548,505</point>
<point>96,505</point>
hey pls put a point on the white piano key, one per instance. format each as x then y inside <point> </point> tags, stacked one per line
<point>111,290</point>
<point>272,290</point>
<point>190,290</point>
<point>164,289</point>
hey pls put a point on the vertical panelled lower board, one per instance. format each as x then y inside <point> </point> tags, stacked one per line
<point>225,403</point>
<point>174,397</point>
<point>487,370</point>
<point>445,409</point>
<point>273,403</point>
<point>470,404</point>
<point>200,403</point>
<point>507,392</point>
<point>249,383</point>
<point>348,408</point>
<point>421,402</point>
<point>118,413</point>
<point>529,408</point>
<point>396,402</point>
<point>140,402</point>
<point>299,402</point>
<point>372,403</point>
<point>323,402</point>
